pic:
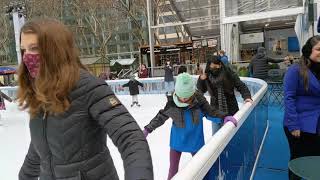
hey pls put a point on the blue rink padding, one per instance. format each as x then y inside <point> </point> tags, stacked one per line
<point>274,158</point>
<point>238,158</point>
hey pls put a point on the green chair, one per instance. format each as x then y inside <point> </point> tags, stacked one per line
<point>243,72</point>
<point>307,167</point>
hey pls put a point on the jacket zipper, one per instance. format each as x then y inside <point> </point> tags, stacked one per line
<point>46,138</point>
<point>193,120</point>
<point>184,123</point>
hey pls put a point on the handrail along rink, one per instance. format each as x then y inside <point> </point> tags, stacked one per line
<point>11,91</point>
<point>203,160</point>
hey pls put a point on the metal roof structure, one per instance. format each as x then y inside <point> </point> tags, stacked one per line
<point>236,7</point>
<point>124,62</point>
<point>198,17</point>
<point>201,18</point>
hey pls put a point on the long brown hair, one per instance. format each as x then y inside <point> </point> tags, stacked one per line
<point>59,69</point>
<point>305,61</point>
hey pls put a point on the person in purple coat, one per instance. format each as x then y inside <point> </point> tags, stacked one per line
<point>302,103</point>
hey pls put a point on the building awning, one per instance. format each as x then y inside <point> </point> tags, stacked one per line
<point>89,60</point>
<point>124,62</point>
<point>7,70</point>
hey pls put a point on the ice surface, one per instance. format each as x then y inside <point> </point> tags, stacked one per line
<point>15,138</point>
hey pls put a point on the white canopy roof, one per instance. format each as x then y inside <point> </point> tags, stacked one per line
<point>124,62</point>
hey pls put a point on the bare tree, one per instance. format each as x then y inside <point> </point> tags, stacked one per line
<point>6,33</point>
<point>84,17</point>
<point>44,8</point>
<point>136,9</point>
<point>4,36</point>
<point>99,19</point>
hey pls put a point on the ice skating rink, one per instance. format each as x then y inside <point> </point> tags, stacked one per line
<point>14,137</point>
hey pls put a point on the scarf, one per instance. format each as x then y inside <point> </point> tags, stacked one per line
<point>216,83</point>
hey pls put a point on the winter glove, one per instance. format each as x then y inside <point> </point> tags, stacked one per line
<point>145,133</point>
<point>230,118</point>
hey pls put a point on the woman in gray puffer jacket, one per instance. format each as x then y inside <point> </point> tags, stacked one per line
<point>71,113</point>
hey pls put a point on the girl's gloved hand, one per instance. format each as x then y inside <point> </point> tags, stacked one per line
<point>230,118</point>
<point>145,133</point>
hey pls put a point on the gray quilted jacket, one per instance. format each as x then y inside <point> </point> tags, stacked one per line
<point>72,145</point>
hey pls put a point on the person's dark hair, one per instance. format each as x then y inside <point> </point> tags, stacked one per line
<point>305,61</point>
<point>291,61</point>
<point>58,55</point>
<point>182,69</point>
<point>215,60</point>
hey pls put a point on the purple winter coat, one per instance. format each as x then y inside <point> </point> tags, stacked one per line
<point>302,108</point>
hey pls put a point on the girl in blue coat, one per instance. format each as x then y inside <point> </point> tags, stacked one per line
<point>186,108</point>
<point>302,103</point>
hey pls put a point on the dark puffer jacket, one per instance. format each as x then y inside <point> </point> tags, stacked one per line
<point>133,86</point>
<point>72,145</point>
<point>259,64</point>
<point>168,73</point>
<point>230,82</point>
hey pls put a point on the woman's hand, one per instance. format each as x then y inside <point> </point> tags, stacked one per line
<point>296,133</point>
<point>203,76</point>
<point>248,100</point>
<point>231,119</point>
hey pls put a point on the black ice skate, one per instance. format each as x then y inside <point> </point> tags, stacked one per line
<point>136,102</point>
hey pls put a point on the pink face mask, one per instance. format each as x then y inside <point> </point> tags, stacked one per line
<point>32,62</point>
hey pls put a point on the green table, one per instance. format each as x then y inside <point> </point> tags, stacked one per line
<point>307,167</point>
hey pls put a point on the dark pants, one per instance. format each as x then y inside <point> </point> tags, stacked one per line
<point>306,145</point>
<point>174,163</point>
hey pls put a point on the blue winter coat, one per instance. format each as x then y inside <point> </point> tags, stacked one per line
<point>190,138</point>
<point>187,128</point>
<point>302,108</point>
<point>224,59</point>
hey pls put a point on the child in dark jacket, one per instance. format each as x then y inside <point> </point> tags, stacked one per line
<point>133,85</point>
<point>3,105</point>
<point>186,107</point>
